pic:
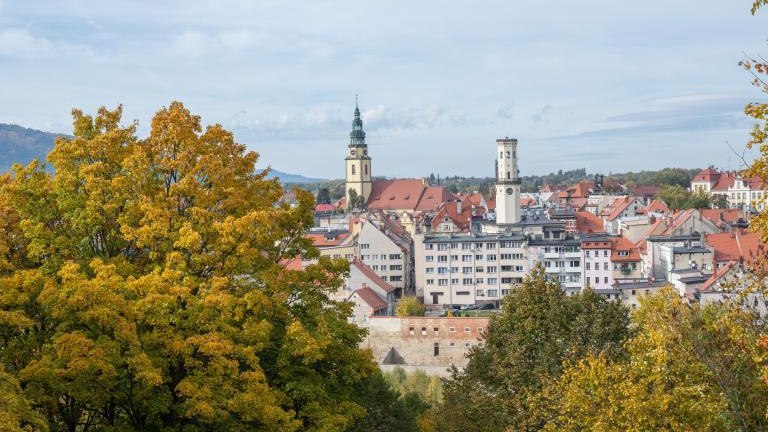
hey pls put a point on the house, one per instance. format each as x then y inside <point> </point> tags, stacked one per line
<point>366,304</point>
<point>749,193</point>
<point>362,276</point>
<point>623,208</point>
<point>387,249</point>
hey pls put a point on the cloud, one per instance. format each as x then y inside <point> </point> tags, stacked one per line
<point>680,114</point>
<point>506,111</point>
<point>20,43</point>
<point>538,116</point>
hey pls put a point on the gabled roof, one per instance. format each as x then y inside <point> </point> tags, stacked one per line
<point>325,208</point>
<point>586,222</point>
<point>326,238</point>
<point>709,175</point>
<point>578,190</point>
<point>463,220</point>
<point>405,194</point>
<point>623,244</point>
<point>619,207</point>
<point>735,246</point>
<point>721,273</point>
<point>371,275</point>
<point>718,216</point>
<point>370,298</point>
<point>657,206</point>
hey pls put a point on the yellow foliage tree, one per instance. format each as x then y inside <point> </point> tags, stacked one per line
<point>143,287</point>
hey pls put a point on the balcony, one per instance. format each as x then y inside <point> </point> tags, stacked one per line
<point>572,254</point>
<point>553,269</point>
<point>552,255</point>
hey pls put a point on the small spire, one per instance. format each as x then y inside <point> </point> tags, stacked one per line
<point>357,136</point>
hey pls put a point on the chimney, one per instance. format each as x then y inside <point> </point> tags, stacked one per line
<point>652,220</point>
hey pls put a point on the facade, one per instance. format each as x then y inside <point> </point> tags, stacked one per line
<point>597,270</point>
<point>749,193</point>
<point>429,344</point>
<point>388,254</point>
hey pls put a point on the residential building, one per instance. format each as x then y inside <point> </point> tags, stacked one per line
<point>387,250</point>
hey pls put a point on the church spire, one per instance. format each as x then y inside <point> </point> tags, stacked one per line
<point>357,136</point>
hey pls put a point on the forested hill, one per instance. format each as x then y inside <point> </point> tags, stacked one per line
<point>20,145</point>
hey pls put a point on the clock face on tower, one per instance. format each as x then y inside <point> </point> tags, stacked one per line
<point>509,191</point>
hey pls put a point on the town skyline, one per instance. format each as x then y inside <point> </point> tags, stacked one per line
<point>283,79</point>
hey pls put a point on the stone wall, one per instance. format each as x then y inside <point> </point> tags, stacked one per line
<point>426,343</point>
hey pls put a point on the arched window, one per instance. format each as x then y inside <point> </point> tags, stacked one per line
<point>501,155</point>
<point>508,175</point>
<point>353,170</point>
<point>366,169</point>
<point>514,153</point>
<point>507,155</point>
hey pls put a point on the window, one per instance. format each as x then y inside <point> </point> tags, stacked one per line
<point>479,269</point>
<point>454,281</point>
<point>442,258</point>
<point>574,263</point>
<point>423,331</point>
<point>437,349</point>
<point>586,265</point>
<point>366,169</point>
<point>478,257</point>
<point>479,280</point>
<point>506,280</point>
<point>466,246</point>
<point>451,330</point>
<point>442,270</point>
<point>395,278</point>
<point>478,245</point>
<point>353,169</point>
<point>442,282</point>
<point>466,270</point>
<point>410,331</point>
<point>454,245</point>
<point>605,253</point>
<point>437,330</point>
<point>442,246</point>
<point>506,268</point>
<point>490,246</point>
<point>605,266</point>
<point>491,257</point>
<point>505,291</point>
<point>454,257</point>
<point>466,258</point>
<point>384,278</point>
<point>430,281</point>
<point>396,267</point>
<point>480,293</point>
<point>491,269</point>
<point>395,256</point>
<point>605,279</point>
<point>429,246</point>
<point>586,253</point>
<point>493,281</point>
<point>365,246</point>
<point>453,344</point>
<point>429,258</point>
<point>467,330</point>
<point>466,281</point>
<point>383,268</point>
<point>493,293</point>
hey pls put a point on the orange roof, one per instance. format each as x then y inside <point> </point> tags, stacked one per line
<point>595,244</point>
<point>406,194</point>
<point>528,201</point>
<point>587,222</point>
<point>657,206</point>
<point>462,220</point>
<point>709,175</point>
<point>716,216</point>
<point>578,190</point>
<point>735,246</point>
<point>619,206</point>
<point>322,239</point>
<point>623,244</point>
<point>292,264</point>
<point>370,274</point>
<point>369,297</point>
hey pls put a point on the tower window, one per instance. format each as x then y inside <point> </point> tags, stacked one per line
<point>507,155</point>
<point>366,169</point>
<point>508,175</point>
<point>353,170</point>
<point>501,155</point>
<point>352,152</point>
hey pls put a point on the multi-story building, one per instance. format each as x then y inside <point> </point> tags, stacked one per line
<point>749,193</point>
<point>560,255</point>
<point>386,252</point>
<point>597,269</point>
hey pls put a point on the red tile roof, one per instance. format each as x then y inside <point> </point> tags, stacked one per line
<point>619,206</point>
<point>623,244</point>
<point>578,190</point>
<point>587,222</point>
<point>370,274</point>
<point>735,246</point>
<point>369,297</point>
<point>709,175</point>
<point>657,206</point>
<point>322,239</point>
<point>325,208</point>
<point>406,194</point>
<point>716,216</point>
<point>463,220</point>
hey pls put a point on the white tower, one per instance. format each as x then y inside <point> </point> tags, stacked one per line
<point>507,182</point>
<point>358,163</point>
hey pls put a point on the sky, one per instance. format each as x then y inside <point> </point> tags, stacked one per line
<point>611,86</point>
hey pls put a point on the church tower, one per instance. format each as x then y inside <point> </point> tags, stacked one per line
<point>507,183</point>
<point>358,163</point>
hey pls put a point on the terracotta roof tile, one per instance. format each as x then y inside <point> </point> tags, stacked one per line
<point>370,298</point>
<point>370,274</point>
<point>587,222</point>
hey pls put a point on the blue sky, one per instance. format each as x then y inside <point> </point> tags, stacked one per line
<point>607,85</point>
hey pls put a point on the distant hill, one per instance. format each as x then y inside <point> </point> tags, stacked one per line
<point>291,178</point>
<point>20,145</point>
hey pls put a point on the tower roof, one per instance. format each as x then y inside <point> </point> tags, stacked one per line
<point>357,136</point>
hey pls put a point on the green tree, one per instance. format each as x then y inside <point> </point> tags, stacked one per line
<point>688,368</point>
<point>323,196</point>
<point>526,345</point>
<point>142,288</point>
<point>409,306</point>
<point>677,197</point>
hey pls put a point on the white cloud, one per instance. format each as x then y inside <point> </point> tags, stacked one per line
<point>20,43</point>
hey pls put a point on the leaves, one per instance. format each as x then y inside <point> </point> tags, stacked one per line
<point>141,288</point>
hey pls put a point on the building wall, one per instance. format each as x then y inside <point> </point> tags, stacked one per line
<point>415,338</point>
<point>597,269</point>
<point>383,256</point>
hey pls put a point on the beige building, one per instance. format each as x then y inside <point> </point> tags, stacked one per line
<point>387,249</point>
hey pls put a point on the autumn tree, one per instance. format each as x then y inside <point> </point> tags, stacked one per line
<point>688,368</point>
<point>143,287</point>
<point>409,306</point>
<point>526,345</point>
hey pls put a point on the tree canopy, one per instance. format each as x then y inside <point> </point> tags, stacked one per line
<point>143,287</point>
